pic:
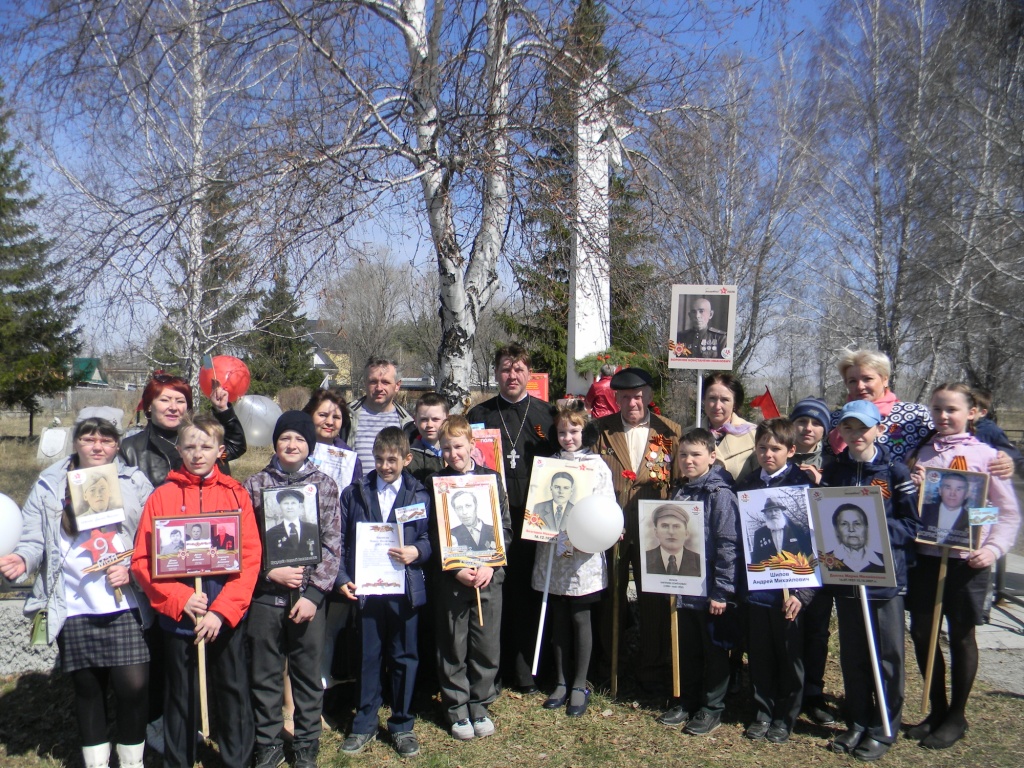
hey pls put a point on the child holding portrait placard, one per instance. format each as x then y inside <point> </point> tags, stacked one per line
<point>953,446</point>
<point>577,578</point>
<point>214,616</point>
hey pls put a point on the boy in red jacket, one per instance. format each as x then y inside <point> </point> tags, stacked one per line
<point>215,615</point>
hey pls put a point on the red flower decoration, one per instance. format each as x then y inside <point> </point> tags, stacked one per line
<point>654,409</point>
<point>629,474</point>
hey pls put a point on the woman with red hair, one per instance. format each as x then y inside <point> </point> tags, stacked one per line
<point>165,401</point>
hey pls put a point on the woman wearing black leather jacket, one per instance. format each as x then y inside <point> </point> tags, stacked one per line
<point>165,401</point>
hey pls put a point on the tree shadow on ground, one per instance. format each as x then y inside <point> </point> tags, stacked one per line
<point>36,717</point>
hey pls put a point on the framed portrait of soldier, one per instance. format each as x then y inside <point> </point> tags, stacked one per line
<point>95,496</point>
<point>469,521</point>
<point>851,536</point>
<point>197,545</point>
<point>946,499</point>
<point>290,527</point>
<point>555,486</point>
<point>702,327</point>
<point>672,537</point>
<point>778,536</point>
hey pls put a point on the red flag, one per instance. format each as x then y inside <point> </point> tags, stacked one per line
<point>767,405</point>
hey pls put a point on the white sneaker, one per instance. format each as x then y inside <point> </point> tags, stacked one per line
<point>464,730</point>
<point>483,726</point>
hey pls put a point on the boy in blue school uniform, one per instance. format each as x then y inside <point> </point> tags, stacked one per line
<point>776,655</point>
<point>468,637</point>
<point>387,624</point>
<point>864,462</point>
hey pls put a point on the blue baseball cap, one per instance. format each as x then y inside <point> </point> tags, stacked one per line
<point>863,411</point>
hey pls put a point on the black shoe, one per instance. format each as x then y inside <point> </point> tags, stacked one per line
<point>756,730</point>
<point>870,750</point>
<point>777,734</point>
<point>406,743</point>
<point>305,755</point>
<point>356,742</point>
<point>703,723</point>
<point>818,711</point>
<point>946,735</point>
<point>926,726</point>
<point>527,690</point>
<point>270,756</point>
<point>847,741</point>
<point>578,710</point>
<point>674,717</point>
<point>556,702</point>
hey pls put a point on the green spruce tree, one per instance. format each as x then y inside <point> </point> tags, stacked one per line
<point>38,338</point>
<point>279,352</point>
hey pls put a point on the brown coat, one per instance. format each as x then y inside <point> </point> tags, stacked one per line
<point>614,449</point>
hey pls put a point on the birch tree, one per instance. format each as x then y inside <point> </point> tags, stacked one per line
<point>149,113</point>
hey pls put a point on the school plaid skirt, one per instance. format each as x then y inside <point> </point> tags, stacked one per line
<point>105,640</point>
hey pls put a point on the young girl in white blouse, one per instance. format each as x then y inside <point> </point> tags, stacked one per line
<point>577,578</point>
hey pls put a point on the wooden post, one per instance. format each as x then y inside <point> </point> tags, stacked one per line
<point>479,607</point>
<point>673,617</point>
<point>543,606</point>
<point>615,620</point>
<point>933,638</point>
<point>204,709</point>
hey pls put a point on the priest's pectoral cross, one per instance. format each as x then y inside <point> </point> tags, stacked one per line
<point>512,456</point>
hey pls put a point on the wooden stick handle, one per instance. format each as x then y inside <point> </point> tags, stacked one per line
<point>673,618</point>
<point>615,620</point>
<point>204,709</point>
<point>933,638</point>
<point>479,607</point>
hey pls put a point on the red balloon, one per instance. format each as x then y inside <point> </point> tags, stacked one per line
<point>232,374</point>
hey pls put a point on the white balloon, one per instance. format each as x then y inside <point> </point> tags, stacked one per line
<point>10,525</point>
<point>258,415</point>
<point>594,524</point>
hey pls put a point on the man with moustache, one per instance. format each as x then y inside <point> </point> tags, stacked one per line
<point>625,443</point>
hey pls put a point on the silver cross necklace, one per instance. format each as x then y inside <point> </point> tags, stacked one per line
<point>512,455</point>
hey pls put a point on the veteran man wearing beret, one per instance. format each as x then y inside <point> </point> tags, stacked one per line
<point>638,446</point>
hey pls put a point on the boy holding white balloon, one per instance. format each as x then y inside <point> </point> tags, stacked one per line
<point>577,577</point>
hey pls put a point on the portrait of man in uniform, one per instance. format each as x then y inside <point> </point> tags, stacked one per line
<point>700,337</point>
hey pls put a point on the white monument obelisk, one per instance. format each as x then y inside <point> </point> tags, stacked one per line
<point>589,283</point>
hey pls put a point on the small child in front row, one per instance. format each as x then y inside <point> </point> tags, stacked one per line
<point>216,615</point>
<point>865,463</point>
<point>288,616</point>
<point>387,624</point>
<point>577,578</point>
<point>703,621</point>
<point>776,636</point>
<point>468,654</point>
<point>967,580</point>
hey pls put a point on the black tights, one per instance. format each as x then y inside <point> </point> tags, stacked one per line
<point>963,662</point>
<point>570,626</point>
<point>130,684</point>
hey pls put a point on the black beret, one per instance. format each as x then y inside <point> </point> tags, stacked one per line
<point>632,378</point>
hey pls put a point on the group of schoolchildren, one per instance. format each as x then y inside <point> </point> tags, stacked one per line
<point>787,633</point>
<point>280,612</point>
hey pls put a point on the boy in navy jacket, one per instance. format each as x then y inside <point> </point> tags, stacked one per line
<point>863,462</point>
<point>776,656</point>
<point>706,624</point>
<point>387,623</point>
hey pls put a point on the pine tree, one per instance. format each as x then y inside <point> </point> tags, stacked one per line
<point>38,339</point>
<point>279,353</point>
